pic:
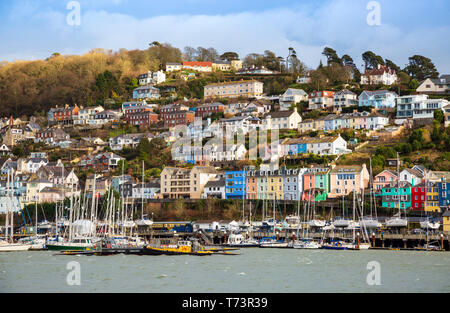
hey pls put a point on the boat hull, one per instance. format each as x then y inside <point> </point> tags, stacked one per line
<point>52,247</point>
<point>14,247</point>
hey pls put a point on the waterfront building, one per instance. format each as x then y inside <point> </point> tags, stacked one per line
<point>345,179</point>
<point>316,183</point>
<point>215,189</point>
<point>235,184</point>
<point>393,195</point>
<point>383,179</point>
<point>432,197</point>
<point>293,183</point>
<point>444,194</point>
<point>418,199</point>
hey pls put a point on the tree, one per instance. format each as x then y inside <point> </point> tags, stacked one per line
<point>393,66</point>
<point>229,56</point>
<point>421,68</point>
<point>189,54</point>
<point>371,60</point>
<point>331,56</point>
<point>439,116</point>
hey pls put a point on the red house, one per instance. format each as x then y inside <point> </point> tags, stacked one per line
<point>418,197</point>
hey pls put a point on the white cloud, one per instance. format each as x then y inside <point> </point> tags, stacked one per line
<point>340,24</point>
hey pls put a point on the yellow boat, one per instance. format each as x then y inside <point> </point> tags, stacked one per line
<point>181,248</point>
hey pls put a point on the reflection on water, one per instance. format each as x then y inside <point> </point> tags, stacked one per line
<point>255,270</point>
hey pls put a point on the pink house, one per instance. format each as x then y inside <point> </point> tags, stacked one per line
<point>383,179</point>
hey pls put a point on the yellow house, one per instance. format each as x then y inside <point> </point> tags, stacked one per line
<point>432,198</point>
<point>446,221</point>
<point>275,186</point>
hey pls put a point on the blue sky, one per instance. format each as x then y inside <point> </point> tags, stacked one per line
<point>34,29</point>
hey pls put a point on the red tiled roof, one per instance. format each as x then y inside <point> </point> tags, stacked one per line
<point>201,64</point>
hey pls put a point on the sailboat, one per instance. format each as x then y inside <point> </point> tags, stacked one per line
<point>305,242</point>
<point>8,244</point>
<point>143,221</point>
<point>430,224</point>
<point>342,222</point>
<point>397,220</point>
<point>273,242</point>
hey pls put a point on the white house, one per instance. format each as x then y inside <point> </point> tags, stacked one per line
<point>320,146</point>
<point>220,153</point>
<point>344,98</point>
<point>412,176</point>
<point>439,85</point>
<point>170,67</point>
<point>214,189</point>
<point>379,99</point>
<point>283,119</point>
<point>86,115</point>
<point>292,96</point>
<point>145,191</point>
<point>377,121</point>
<point>238,124</point>
<point>417,107</point>
<point>383,75</point>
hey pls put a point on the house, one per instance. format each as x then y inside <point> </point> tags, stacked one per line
<point>282,119</point>
<point>413,176</point>
<point>292,96</point>
<point>256,109</point>
<point>242,88</point>
<point>178,118</point>
<point>206,110</point>
<point>444,195</point>
<point>310,125</point>
<point>320,145</point>
<point>102,162</point>
<point>293,183</point>
<point>97,184</point>
<point>144,119</point>
<point>146,92</point>
<point>418,107</point>
<point>105,117</point>
<point>446,110</point>
<point>446,221</point>
<point>227,66</point>
<point>344,98</point>
<point>13,135</point>
<point>125,141</point>
<point>34,187</point>
<point>396,194</point>
<point>59,176</point>
<point>64,115</point>
<point>152,78</point>
<point>235,185</point>
<point>233,152</point>
<point>54,194</point>
<point>439,85</point>
<point>321,100</point>
<point>305,79</point>
<point>145,190</point>
<point>185,183</point>
<point>255,70</point>
<point>382,75</point>
<point>432,196</point>
<point>234,108</point>
<point>214,189</point>
<point>4,150</point>
<point>32,164</point>
<point>346,179</point>
<point>316,183</point>
<point>172,67</point>
<point>198,66</point>
<point>86,115</point>
<point>51,135</point>
<point>377,121</point>
<point>383,179</point>
<point>239,124</point>
<point>379,99</point>
<point>418,197</point>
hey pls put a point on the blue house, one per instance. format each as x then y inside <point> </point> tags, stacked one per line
<point>146,92</point>
<point>444,195</point>
<point>235,185</point>
<point>379,99</point>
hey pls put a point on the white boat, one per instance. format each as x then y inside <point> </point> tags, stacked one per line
<point>354,246</point>
<point>127,224</point>
<point>238,240</point>
<point>428,224</point>
<point>273,243</point>
<point>12,247</point>
<point>144,222</point>
<point>397,222</point>
<point>369,223</point>
<point>307,245</point>
<point>36,243</point>
<point>317,223</point>
<point>353,225</point>
<point>341,223</point>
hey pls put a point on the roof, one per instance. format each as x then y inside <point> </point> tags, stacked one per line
<point>310,140</point>
<point>339,169</point>
<point>233,83</point>
<point>380,70</point>
<point>199,64</point>
<point>279,114</point>
<point>215,183</point>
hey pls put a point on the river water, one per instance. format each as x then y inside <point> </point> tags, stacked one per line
<point>253,271</point>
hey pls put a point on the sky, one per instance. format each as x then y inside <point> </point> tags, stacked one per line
<point>34,29</point>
